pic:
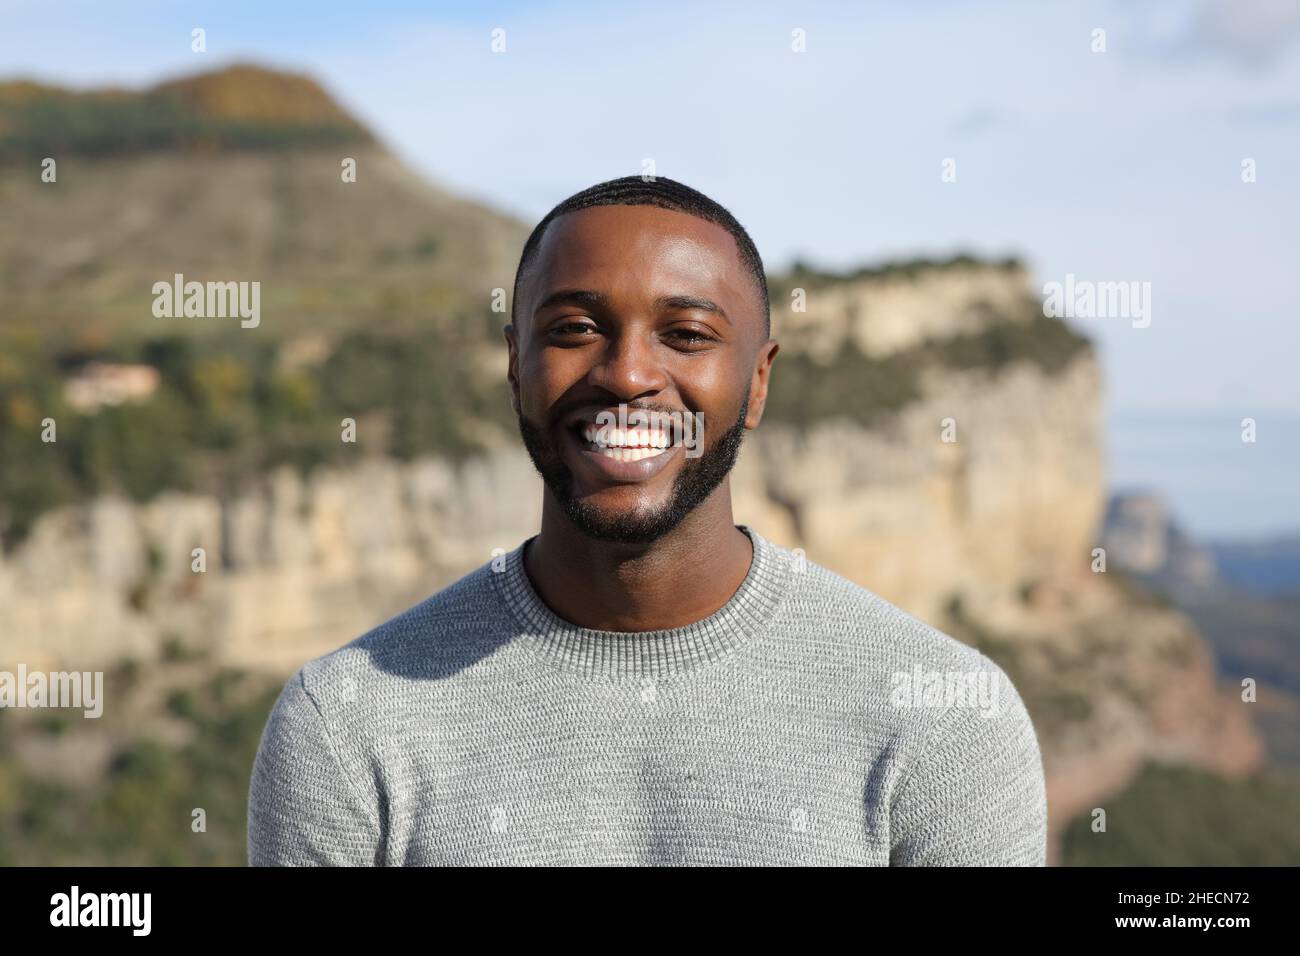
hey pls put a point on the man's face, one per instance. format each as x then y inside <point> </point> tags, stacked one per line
<point>653,310</point>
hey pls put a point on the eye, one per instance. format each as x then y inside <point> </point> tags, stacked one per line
<point>571,330</point>
<point>690,337</point>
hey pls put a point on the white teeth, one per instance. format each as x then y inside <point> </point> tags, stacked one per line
<point>631,439</point>
<point>630,454</point>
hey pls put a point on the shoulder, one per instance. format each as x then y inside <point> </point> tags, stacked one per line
<point>434,638</point>
<point>964,779</point>
<point>863,623</point>
<point>905,674</point>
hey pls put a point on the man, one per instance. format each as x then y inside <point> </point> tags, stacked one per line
<point>644,681</point>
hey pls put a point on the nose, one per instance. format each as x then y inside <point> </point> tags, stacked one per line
<point>629,367</point>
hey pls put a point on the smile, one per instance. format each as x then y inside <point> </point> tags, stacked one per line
<point>630,455</point>
<point>632,444</point>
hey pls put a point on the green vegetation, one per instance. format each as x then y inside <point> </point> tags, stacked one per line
<point>805,276</point>
<point>805,391</point>
<point>139,810</point>
<point>242,107</point>
<point>1174,816</point>
<point>1047,342</point>
<point>866,390</point>
<point>227,411</point>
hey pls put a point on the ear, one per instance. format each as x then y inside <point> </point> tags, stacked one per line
<point>758,383</point>
<point>512,368</point>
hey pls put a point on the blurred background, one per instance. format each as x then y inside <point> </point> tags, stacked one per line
<point>1117,524</point>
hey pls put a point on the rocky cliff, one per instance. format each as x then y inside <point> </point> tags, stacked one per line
<point>1141,536</point>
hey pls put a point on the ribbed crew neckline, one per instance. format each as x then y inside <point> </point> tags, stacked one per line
<point>628,655</point>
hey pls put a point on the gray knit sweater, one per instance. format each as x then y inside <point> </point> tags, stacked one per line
<point>806,722</point>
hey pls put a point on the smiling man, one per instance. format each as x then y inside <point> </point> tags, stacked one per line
<point>645,681</point>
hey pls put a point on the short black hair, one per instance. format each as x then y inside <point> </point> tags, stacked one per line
<point>666,194</point>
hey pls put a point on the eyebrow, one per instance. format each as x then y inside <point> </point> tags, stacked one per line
<point>598,300</point>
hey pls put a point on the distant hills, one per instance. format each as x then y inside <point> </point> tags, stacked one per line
<point>1244,596</point>
<point>230,175</point>
<point>1143,536</point>
<point>1270,567</point>
<point>240,107</point>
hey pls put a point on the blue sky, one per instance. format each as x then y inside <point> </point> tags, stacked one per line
<point>1122,165</point>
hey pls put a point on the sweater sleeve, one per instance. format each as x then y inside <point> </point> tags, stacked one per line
<point>303,809</point>
<point>976,795</point>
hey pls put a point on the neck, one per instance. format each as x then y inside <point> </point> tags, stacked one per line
<point>678,579</point>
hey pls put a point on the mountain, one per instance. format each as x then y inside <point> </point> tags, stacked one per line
<point>1269,568</point>
<point>241,107</point>
<point>354,278</point>
<point>234,175</point>
<point>1141,536</point>
<point>930,433</point>
<point>1244,597</point>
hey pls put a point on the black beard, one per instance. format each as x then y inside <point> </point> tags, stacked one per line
<point>693,484</point>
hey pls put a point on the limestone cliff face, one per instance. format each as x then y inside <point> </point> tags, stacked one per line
<point>293,568</point>
<point>890,310</point>
<point>976,506</point>
<point>1013,498</point>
